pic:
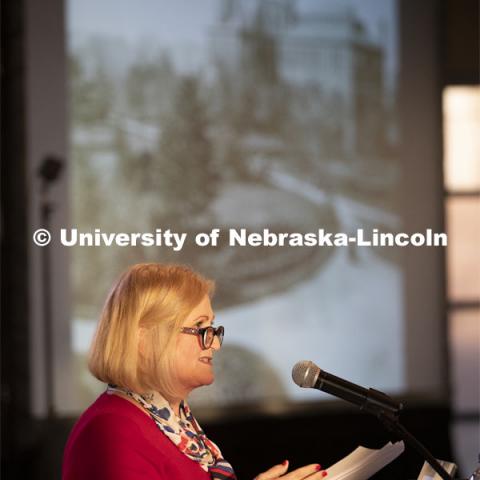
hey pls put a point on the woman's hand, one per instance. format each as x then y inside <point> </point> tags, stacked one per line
<point>312,472</point>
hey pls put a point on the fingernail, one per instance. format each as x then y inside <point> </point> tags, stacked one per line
<point>285,462</point>
<point>318,467</point>
<point>324,473</point>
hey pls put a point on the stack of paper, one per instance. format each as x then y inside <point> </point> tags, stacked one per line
<point>363,462</point>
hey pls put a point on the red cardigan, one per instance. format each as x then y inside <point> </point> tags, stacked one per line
<point>114,440</point>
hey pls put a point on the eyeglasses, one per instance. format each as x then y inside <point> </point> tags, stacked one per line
<point>206,334</point>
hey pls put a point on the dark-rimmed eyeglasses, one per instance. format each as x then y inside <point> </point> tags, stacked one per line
<point>206,334</point>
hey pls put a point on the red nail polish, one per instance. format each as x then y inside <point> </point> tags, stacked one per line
<point>318,468</point>
<point>324,473</point>
<point>285,462</point>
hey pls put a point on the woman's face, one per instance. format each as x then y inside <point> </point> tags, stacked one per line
<point>193,365</point>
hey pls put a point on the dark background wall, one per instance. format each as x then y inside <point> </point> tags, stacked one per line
<point>33,448</point>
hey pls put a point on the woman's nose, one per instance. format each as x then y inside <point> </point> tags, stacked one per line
<point>216,345</point>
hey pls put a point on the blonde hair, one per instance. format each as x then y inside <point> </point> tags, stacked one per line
<point>141,319</point>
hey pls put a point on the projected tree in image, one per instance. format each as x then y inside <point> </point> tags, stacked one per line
<point>185,175</point>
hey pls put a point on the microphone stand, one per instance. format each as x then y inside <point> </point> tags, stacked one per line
<point>391,422</point>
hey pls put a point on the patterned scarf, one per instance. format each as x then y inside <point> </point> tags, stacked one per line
<point>184,432</point>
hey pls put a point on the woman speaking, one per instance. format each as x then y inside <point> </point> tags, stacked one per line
<point>154,344</point>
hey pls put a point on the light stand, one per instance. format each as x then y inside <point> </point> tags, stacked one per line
<point>49,172</point>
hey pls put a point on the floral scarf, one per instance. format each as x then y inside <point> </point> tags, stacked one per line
<point>184,432</point>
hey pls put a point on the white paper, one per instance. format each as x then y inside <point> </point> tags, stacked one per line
<point>363,462</point>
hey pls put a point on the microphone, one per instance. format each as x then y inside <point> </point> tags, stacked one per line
<point>307,375</point>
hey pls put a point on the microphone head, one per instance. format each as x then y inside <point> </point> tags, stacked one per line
<point>305,373</point>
